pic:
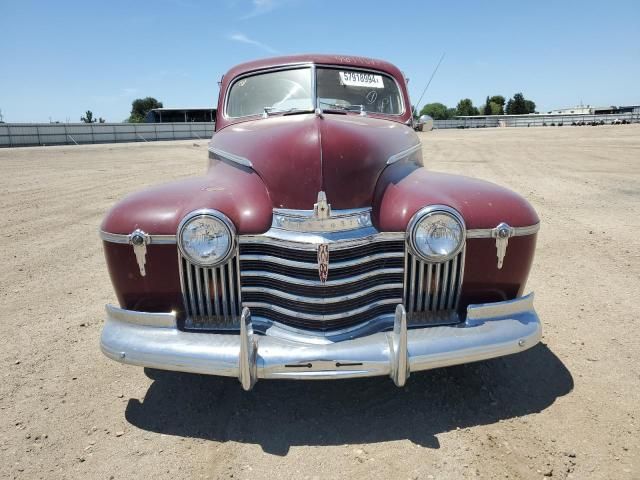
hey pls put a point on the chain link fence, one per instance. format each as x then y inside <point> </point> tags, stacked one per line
<point>33,134</point>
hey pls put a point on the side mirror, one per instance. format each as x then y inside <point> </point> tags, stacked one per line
<point>427,122</point>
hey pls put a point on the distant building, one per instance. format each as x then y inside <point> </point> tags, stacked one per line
<point>617,110</point>
<point>577,110</point>
<point>176,115</point>
<point>591,110</point>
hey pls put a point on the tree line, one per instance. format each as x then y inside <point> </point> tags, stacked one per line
<point>494,105</point>
<point>139,109</point>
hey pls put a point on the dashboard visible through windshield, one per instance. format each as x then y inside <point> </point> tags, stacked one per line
<point>292,90</point>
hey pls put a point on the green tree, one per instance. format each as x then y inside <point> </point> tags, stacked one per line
<point>140,107</point>
<point>499,100</point>
<point>88,117</point>
<point>530,106</point>
<point>465,108</point>
<point>517,105</point>
<point>437,111</point>
<point>486,110</point>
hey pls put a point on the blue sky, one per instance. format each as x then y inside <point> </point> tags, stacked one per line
<point>58,59</point>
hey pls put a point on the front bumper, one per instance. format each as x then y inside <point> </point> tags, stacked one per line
<point>153,340</point>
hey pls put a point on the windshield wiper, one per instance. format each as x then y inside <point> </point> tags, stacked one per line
<point>335,107</point>
<point>285,111</point>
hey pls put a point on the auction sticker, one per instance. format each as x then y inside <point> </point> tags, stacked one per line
<point>361,79</point>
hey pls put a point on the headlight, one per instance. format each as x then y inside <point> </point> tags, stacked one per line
<point>436,233</point>
<point>206,237</point>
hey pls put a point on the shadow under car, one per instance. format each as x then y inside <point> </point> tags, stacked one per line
<point>278,414</point>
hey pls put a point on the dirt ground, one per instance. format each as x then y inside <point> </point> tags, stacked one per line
<point>568,408</point>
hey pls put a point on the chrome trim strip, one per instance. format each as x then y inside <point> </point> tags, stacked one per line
<point>436,288</point>
<point>321,300</point>
<point>153,340</point>
<point>320,317</point>
<point>232,157</point>
<point>404,153</point>
<point>223,293</point>
<point>232,289</point>
<point>314,265</point>
<point>216,297</point>
<point>192,300</point>
<point>318,283</point>
<point>207,291</point>
<point>419,303</point>
<point>452,282</point>
<point>463,253</point>
<point>199,290</point>
<point>427,301</point>
<point>445,284</point>
<point>238,284</point>
<point>181,272</point>
<point>171,239</point>
<point>412,283</point>
<point>309,241</point>
<point>517,231</point>
<point>124,238</point>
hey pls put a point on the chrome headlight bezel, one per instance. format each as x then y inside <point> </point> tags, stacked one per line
<point>424,214</point>
<point>226,224</point>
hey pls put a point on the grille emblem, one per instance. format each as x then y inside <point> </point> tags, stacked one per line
<point>323,262</point>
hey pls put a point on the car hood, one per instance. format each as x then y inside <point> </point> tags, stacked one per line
<point>299,155</point>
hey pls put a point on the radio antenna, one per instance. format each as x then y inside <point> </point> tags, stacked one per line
<point>429,82</point>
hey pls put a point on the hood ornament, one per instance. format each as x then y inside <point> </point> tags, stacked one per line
<point>322,210</point>
<point>323,262</point>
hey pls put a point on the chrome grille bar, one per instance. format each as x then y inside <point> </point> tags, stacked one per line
<point>280,281</point>
<point>432,290</point>
<point>452,283</point>
<point>211,295</point>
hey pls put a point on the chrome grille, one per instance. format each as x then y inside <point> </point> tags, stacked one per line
<point>281,283</point>
<point>432,290</point>
<point>212,297</point>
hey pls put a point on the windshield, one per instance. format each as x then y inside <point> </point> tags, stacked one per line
<point>277,91</point>
<point>288,91</point>
<point>357,90</point>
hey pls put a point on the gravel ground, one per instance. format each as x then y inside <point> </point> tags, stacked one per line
<point>568,408</point>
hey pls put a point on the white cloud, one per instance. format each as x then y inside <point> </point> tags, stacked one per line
<point>260,7</point>
<point>242,38</point>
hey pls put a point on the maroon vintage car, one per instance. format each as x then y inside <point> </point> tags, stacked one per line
<point>317,245</point>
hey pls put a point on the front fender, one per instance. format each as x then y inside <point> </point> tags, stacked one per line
<point>239,193</point>
<point>405,188</point>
